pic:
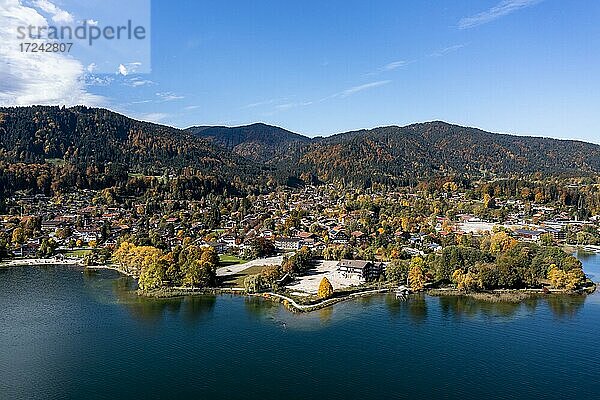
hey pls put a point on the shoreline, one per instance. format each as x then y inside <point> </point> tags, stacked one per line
<point>39,262</point>
<point>497,295</point>
<point>511,295</point>
<point>110,267</point>
<point>32,262</point>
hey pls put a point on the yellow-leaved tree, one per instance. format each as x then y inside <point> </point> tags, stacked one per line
<point>325,289</point>
<point>568,280</point>
<point>467,282</point>
<point>501,242</point>
<point>416,277</point>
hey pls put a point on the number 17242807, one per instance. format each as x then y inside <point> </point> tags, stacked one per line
<point>45,47</point>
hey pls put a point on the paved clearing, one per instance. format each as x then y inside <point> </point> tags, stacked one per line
<point>237,268</point>
<point>309,283</point>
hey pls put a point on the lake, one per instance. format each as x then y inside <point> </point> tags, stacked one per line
<point>68,334</point>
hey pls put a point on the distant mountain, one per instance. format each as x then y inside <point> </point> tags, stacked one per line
<point>257,142</point>
<point>96,147</point>
<point>437,148</point>
<point>93,135</point>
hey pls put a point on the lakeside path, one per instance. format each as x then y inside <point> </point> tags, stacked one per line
<point>324,303</point>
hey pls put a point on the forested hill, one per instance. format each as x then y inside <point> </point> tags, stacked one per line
<point>49,148</point>
<point>258,142</point>
<point>91,147</point>
<point>91,135</point>
<point>391,154</point>
<point>438,148</point>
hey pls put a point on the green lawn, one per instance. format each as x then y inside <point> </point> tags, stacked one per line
<point>237,280</point>
<point>231,260</point>
<point>139,175</point>
<point>55,161</point>
<point>78,253</point>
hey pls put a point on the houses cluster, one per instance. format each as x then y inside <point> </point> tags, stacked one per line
<point>362,271</point>
<point>312,217</point>
<point>556,226</point>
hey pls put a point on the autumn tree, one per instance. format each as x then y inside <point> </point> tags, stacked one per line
<point>271,275</point>
<point>199,266</point>
<point>18,236</point>
<point>261,247</point>
<point>501,242</point>
<point>397,271</point>
<point>123,254</point>
<point>569,280</point>
<point>489,201</point>
<point>325,289</point>
<point>47,247</point>
<point>546,239</point>
<point>466,281</point>
<point>254,283</point>
<point>154,276</point>
<point>416,277</point>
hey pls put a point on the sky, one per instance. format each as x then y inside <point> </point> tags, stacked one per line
<point>527,67</point>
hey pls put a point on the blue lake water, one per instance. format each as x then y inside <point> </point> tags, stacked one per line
<point>66,334</point>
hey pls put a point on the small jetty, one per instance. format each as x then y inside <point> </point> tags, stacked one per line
<point>402,292</point>
<point>592,249</point>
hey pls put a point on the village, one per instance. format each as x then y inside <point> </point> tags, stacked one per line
<point>351,236</point>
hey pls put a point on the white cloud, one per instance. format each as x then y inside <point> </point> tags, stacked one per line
<point>122,70</point>
<point>153,117</point>
<point>92,22</point>
<point>168,96</point>
<point>36,78</point>
<point>129,68</point>
<point>503,8</point>
<point>137,82</point>
<point>447,50</point>
<point>94,80</point>
<point>287,106</point>
<point>57,14</point>
<point>393,65</point>
<point>260,103</point>
<point>360,88</point>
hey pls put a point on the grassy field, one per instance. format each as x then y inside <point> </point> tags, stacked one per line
<point>138,175</point>
<point>237,280</point>
<point>231,260</point>
<point>55,161</point>
<point>78,253</point>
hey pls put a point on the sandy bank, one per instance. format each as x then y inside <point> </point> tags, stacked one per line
<point>24,262</point>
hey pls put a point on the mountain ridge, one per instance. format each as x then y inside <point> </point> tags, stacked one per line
<point>92,137</point>
<point>259,142</point>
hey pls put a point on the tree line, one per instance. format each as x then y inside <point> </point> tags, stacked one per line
<point>190,266</point>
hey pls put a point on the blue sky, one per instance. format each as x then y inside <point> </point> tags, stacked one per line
<point>322,67</point>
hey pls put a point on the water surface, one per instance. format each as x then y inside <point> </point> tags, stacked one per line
<point>66,334</point>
